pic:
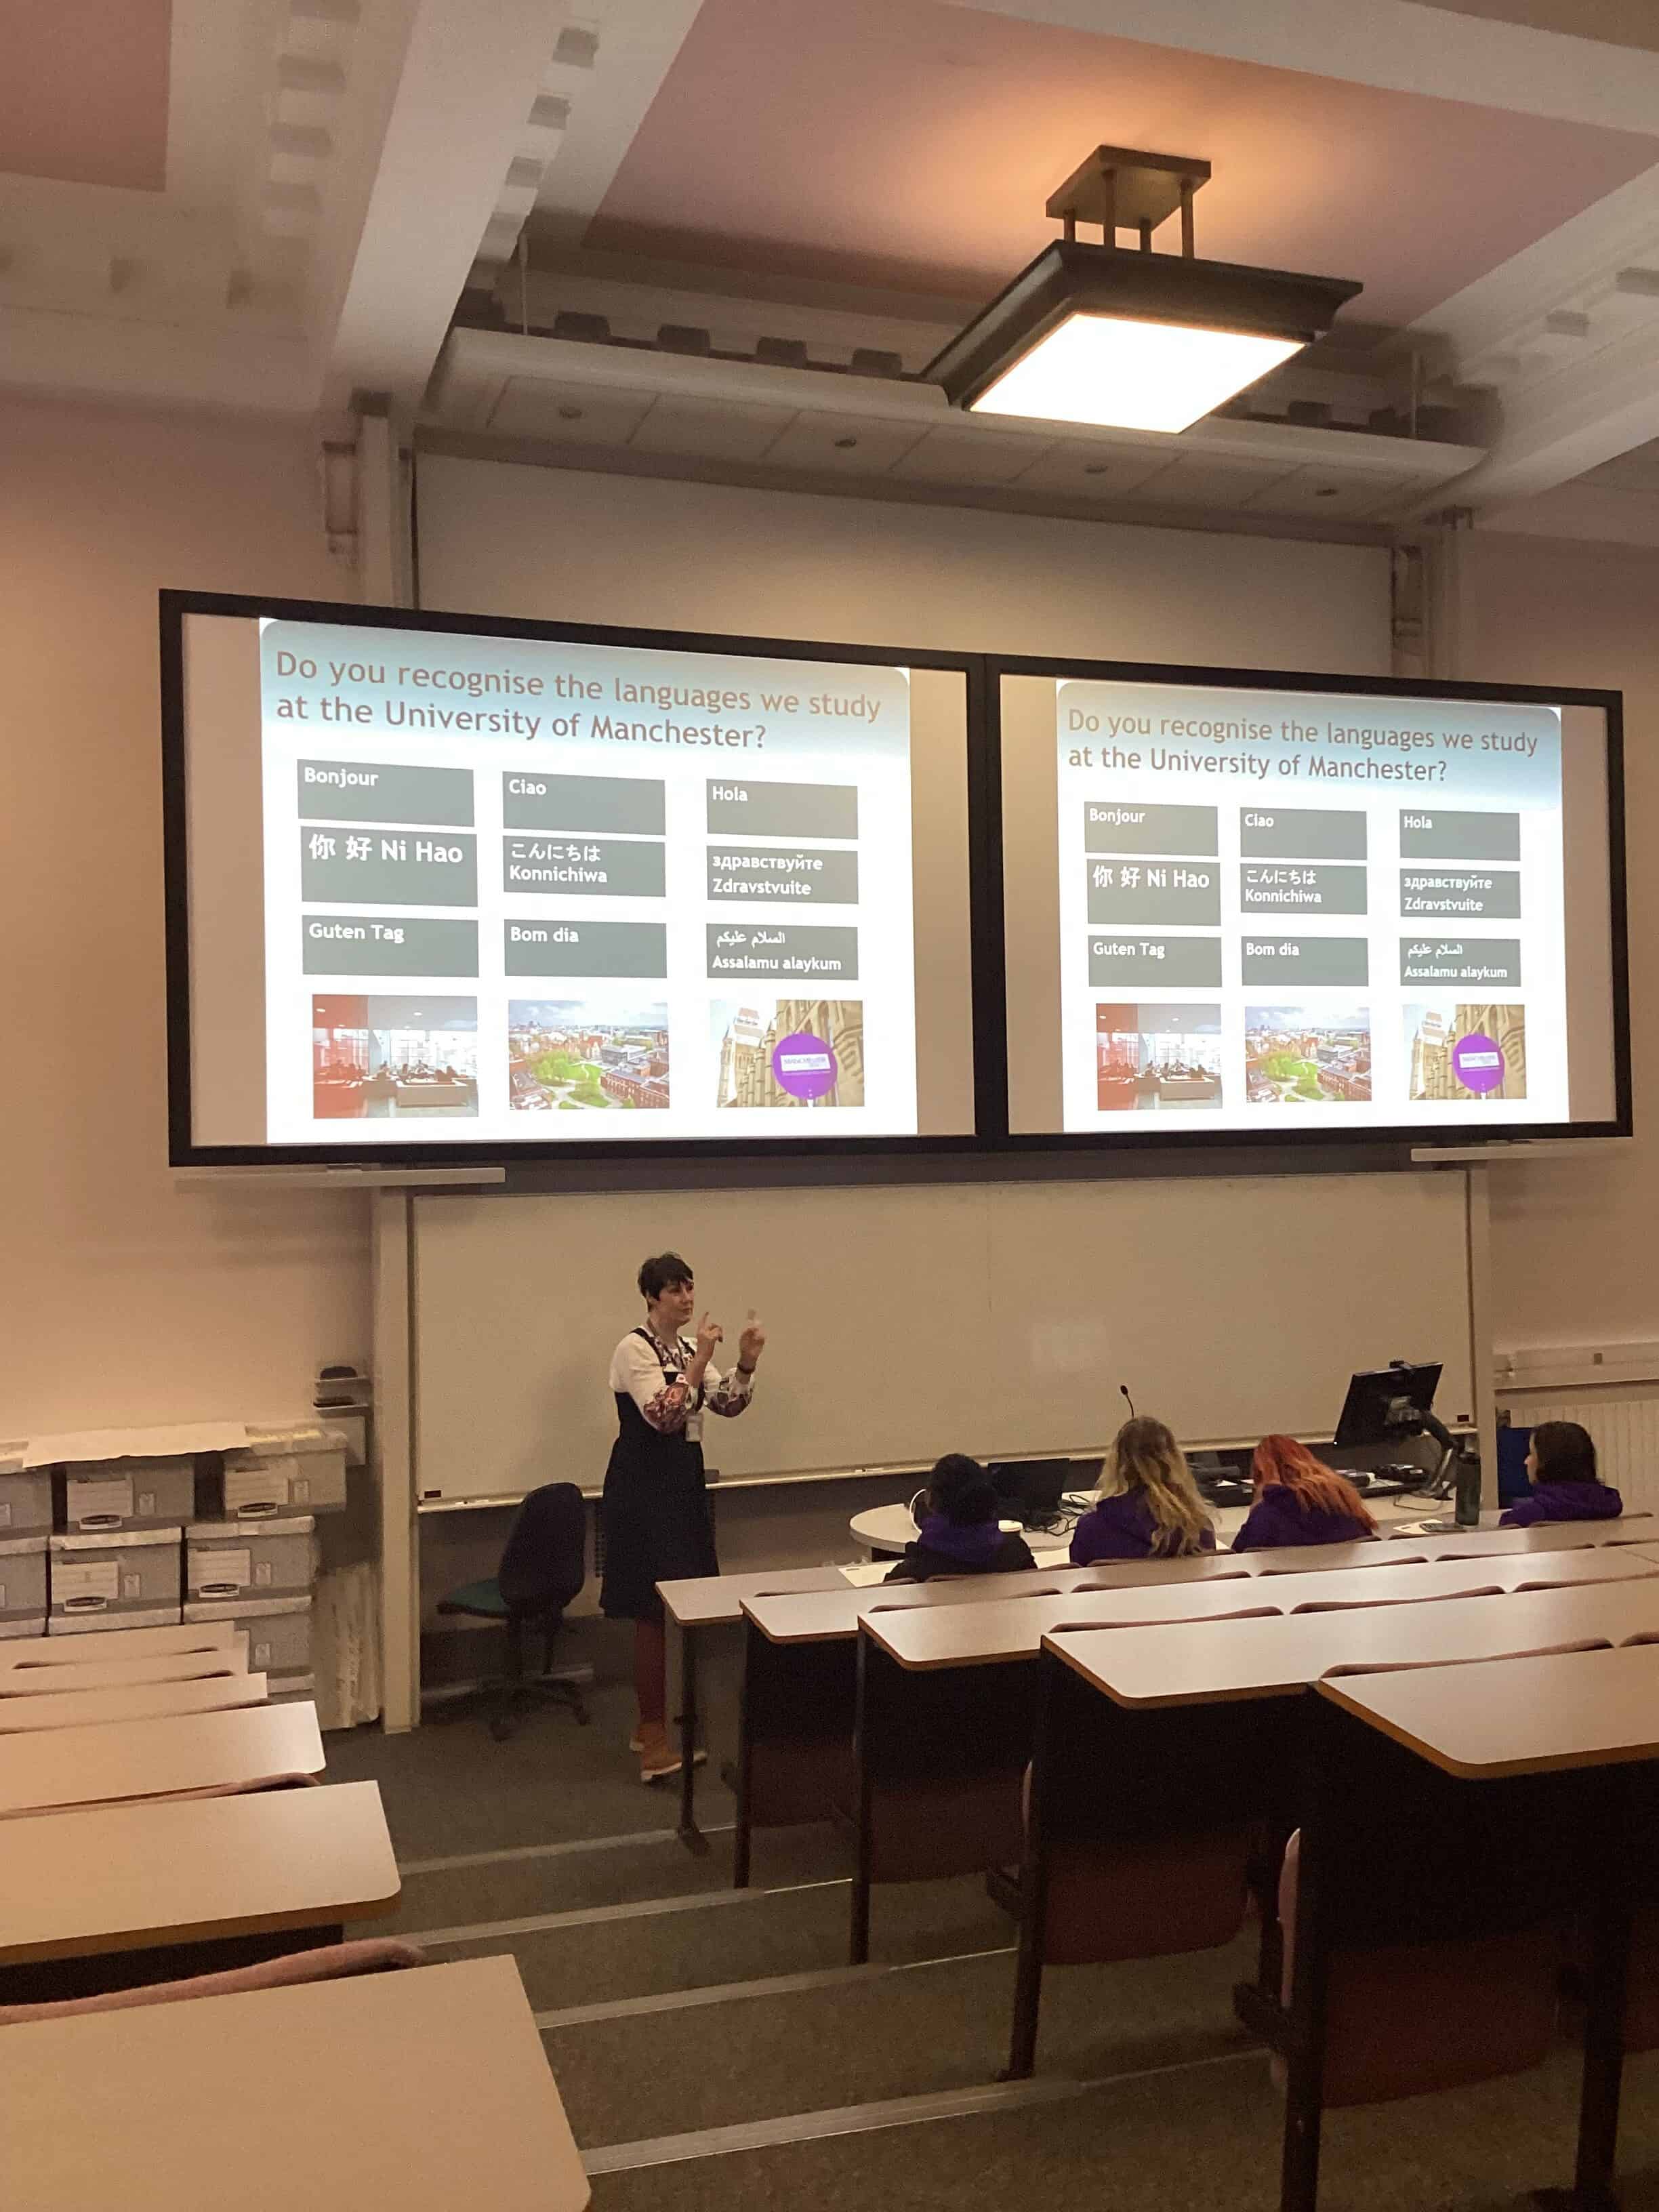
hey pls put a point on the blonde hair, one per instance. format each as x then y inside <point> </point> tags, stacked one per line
<point>1144,1456</point>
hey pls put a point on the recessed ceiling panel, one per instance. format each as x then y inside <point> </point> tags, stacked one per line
<point>907,143</point>
<point>83,92</point>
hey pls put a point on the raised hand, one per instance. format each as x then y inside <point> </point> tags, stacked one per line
<point>752,1343</point>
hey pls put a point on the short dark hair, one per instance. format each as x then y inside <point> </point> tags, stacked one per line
<point>1565,1452</point>
<point>661,1273</point>
<point>960,1489</point>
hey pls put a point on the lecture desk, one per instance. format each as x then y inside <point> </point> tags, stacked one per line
<point>425,2089</point>
<point>923,1709</point>
<point>705,1613</point>
<point>1213,1702</point>
<point>114,1760</point>
<point>795,1696</point>
<point>25,1654</point>
<point>118,1675</point>
<point>1562,1767</point>
<point>115,1895</point>
<point>78,1708</point>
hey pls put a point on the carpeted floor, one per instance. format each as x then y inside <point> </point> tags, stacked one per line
<point>1155,2098</point>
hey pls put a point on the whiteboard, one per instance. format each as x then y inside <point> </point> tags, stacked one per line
<point>908,1321</point>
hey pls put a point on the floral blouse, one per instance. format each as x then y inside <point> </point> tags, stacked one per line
<point>651,1372</point>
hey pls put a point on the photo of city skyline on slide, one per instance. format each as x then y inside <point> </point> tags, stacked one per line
<point>1307,1055</point>
<point>393,1059</point>
<point>1150,1058</point>
<point>607,1050</point>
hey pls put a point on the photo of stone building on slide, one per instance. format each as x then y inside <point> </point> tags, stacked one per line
<point>1467,1052</point>
<point>758,1068</point>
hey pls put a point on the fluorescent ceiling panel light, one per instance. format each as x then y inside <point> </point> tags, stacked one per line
<point>1126,374</point>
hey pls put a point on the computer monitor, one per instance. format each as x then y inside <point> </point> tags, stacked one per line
<point>1388,1403</point>
<point>1031,1489</point>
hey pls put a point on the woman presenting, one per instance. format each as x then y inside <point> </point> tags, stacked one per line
<point>656,1523</point>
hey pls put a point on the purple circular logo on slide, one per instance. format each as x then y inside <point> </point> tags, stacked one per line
<point>803,1065</point>
<point>1477,1062</point>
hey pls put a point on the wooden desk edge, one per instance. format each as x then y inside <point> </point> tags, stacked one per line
<point>95,1945</point>
<point>1498,1770</point>
<point>1229,1696</point>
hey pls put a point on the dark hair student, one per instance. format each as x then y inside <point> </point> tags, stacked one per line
<point>1566,1484</point>
<point>959,1531</point>
<point>666,1272</point>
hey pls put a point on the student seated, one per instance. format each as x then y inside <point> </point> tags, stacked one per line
<point>1300,1500</point>
<point>1561,1467</point>
<point>961,1533</point>
<point>1149,1506</point>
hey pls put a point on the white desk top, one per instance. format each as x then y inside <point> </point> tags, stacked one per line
<point>119,1877</point>
<point>125,1674</point>
<point>116,1759</point>
<point>819,1616</point>
<point>29,1652</point>
<point>1586,1709</point>
<point>78,1707</point>
<point>426,2090</point>
<point>1206,1663</point>
<point>979,1635</point>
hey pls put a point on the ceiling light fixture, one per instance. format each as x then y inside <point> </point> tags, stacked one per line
<point>1131,341</point>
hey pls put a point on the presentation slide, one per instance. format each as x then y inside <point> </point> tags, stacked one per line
<point>1284,911</point>
<point>514,890</point>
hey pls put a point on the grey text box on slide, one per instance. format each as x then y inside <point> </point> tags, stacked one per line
<point>1272,887</point>
<point>586,948</point>
<point>740,806</point>
<point>1155,891</point>
<point>377,945</point>
<point>632,803</point>
<point>594,867</point>
<point>381,791</point>
<point>1447,961</point>
<point>1116,826</point>
<point>1301,833</point>
<point>1294,961</point>
<point>1429,833</point>
<point>736,948</point>
<point>1120,958</point>
<point>1475,892</point>
<point>784,875</point>
<point>389,867</point>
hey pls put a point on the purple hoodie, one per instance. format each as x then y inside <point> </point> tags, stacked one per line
<point>1276,1519</point>
<point>955,1547</point>
<point>1122,1528</point>
<point>1565,1501</point>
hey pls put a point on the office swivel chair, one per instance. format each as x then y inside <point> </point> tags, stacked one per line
<point>542,1567</point>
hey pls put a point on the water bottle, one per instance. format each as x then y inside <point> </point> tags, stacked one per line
<point>1466,1490</point>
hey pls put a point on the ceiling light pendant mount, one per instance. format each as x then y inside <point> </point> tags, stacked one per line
<point>1138,341</point>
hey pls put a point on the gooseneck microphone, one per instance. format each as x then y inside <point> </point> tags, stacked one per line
<point>1128,1400</point>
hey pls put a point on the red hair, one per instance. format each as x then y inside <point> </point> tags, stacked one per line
<point>1316,1487</point>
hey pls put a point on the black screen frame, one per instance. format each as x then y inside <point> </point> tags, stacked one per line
<point>992,1140</point>
<point>1413,1135</point>
<point>984,921</point>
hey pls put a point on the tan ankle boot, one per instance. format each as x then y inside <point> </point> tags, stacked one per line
<point>658,1759</point>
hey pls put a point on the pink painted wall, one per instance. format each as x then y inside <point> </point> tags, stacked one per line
<point>123,1297</point>
<point>1573,1240</point>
